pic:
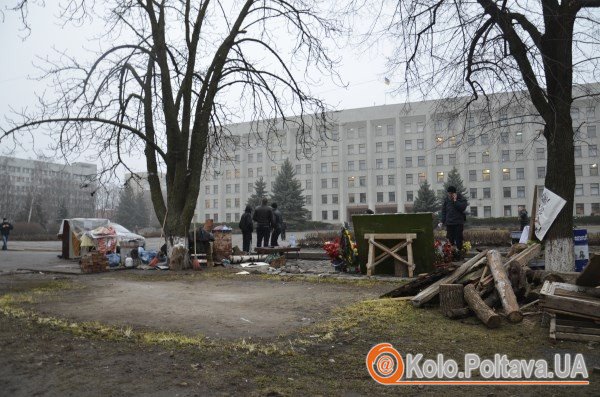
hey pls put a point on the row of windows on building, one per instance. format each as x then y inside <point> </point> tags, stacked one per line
<point>419,144</point>
<point>361,165</point>
<point>361,181</point>
<point>34,171</point>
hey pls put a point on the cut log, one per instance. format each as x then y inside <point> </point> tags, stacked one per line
<point>492,300</point>
<point>504,288</point>
<point>431,292</point>
<point>451,297</point>
<point>483,312</point>
<point>523,258</point>
<point>421,282</point>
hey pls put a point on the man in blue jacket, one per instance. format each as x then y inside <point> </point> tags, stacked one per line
<point>453,217</point>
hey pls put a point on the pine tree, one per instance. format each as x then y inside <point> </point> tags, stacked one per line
<point>287,193</point>
<point>454,179</point>
<point>127,210</point>
<point>260,192</point>
<point>426,200</point>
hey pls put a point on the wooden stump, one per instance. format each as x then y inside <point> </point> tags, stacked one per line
<point>504,287</point>
<point>451,297</point>
<point>483,312</point>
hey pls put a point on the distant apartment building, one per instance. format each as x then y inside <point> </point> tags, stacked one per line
<point>377,157</point>
<point>41,191</point>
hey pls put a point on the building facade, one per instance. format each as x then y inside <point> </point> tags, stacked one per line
<point>377,157</point>
<point>43,191</point>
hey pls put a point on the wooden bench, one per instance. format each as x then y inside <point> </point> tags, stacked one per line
<point>405,240</point>
<point>280,250</point>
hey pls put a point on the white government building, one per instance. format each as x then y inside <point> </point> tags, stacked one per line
<point>377,157</point>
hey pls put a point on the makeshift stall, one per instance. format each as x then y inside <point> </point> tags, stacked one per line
<point>81,235</point>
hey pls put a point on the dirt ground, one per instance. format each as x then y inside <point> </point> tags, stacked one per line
<point>216,333</point>
<point>217,308</point>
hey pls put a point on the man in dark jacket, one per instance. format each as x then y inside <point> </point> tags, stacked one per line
<point>247,227</point>
<point>453,217</point>
<point>277,226</point>
<point>263,216</point>
<point>5,229</point>
<point>523,218</point>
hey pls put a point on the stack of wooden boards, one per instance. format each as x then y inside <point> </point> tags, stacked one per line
<point>93,262</point>
<point>575,311</point>
<point>491,288</point>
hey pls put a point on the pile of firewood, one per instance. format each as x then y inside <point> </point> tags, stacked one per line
<point>492,288</point>
<point>93,262</point>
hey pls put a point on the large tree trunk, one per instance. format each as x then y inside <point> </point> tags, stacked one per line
<point>557,43</point>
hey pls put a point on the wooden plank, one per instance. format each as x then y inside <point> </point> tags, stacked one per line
<point>550,287</point>
<point>572,305</point>
<point>574,294</point>
<point>384,254</point>
<point>577,337</point>
<point>569,314</point>
<point>390,236</point>
<point>576,323</point>
<point>387,252</point>
<point>431,292</point>
<point>371,259</point>
<point>553,328</point>
<point>577,330</point>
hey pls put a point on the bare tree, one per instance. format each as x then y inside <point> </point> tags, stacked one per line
<point>534,52</point>
<point>164,86</point>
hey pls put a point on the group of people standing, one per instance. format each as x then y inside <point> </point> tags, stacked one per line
<point>269,225</point>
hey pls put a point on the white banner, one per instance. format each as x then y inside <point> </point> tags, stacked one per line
<point>550,206</point>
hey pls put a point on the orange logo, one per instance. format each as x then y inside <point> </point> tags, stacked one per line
<point>385,364</point>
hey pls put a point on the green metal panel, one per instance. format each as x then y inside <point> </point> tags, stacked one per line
<point>421,224</point>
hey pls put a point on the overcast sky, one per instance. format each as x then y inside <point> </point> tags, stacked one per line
<point>363,70</point>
